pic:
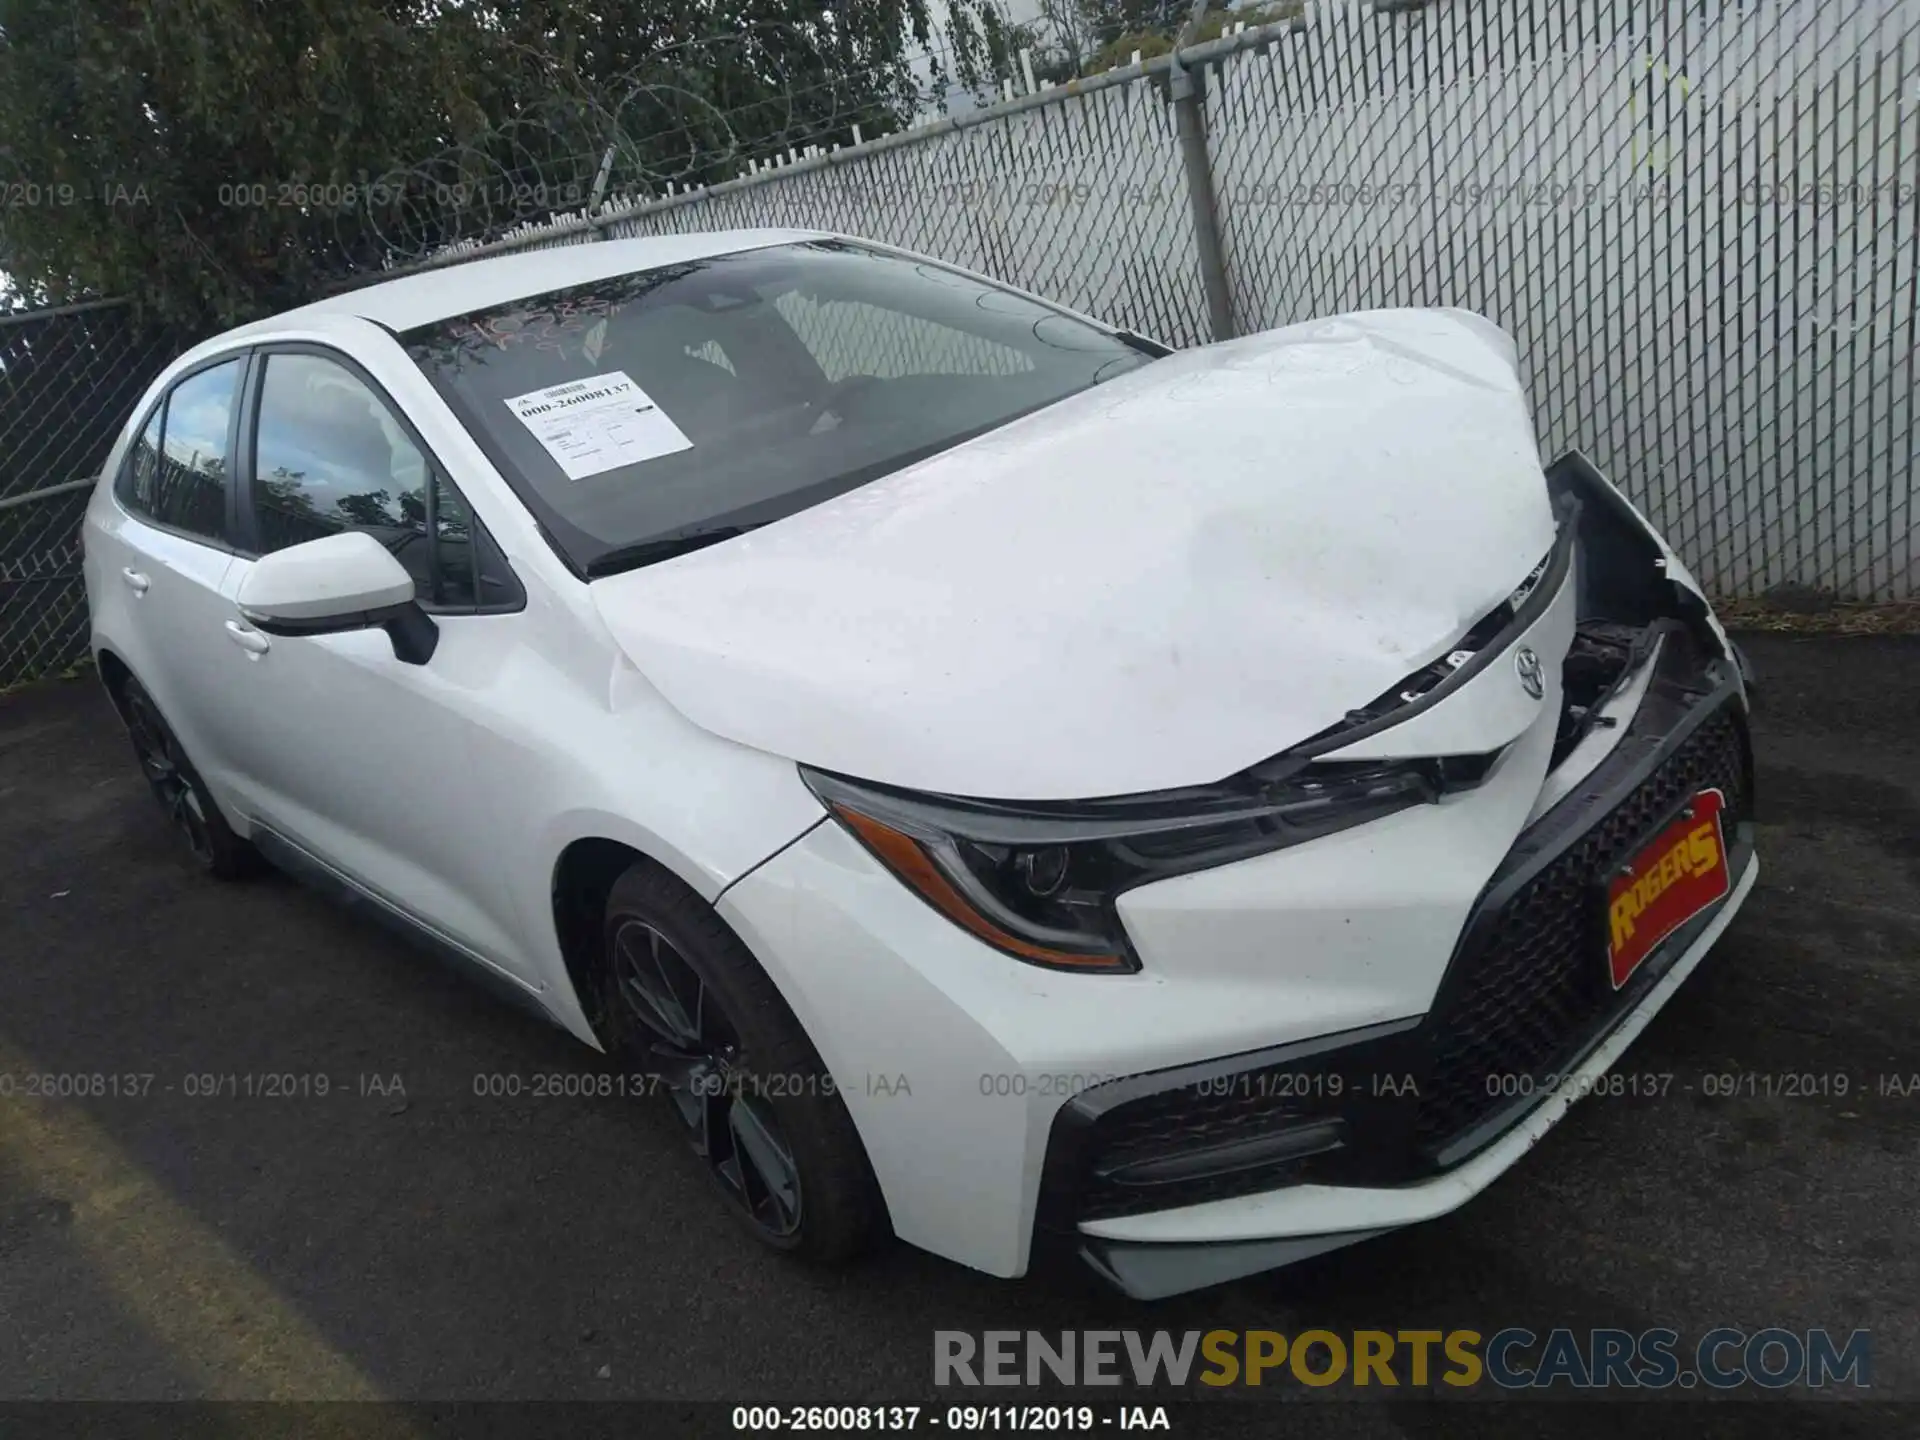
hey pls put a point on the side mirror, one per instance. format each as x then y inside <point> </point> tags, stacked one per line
<point>348,581</point>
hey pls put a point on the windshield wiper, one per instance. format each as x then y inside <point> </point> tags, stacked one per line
<point>1137,341</point>
<point>650,552</point>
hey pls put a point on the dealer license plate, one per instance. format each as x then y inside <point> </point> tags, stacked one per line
<point>1672,878</point>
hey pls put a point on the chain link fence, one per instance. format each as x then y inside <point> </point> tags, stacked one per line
<point>69,377</point>
<point>1081,202</point>
<point>1699,222</point>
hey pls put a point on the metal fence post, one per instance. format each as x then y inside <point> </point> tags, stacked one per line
<point>1190,123</point>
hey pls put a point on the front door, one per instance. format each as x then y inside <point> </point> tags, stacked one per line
<point>355,756</point>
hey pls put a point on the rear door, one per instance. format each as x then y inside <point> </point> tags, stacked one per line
<point>164,548</point>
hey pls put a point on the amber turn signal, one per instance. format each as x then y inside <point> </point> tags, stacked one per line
<point>909,860</point>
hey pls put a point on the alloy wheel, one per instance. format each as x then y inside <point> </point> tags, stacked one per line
<point>165,768</point>
<point>689,1041</point>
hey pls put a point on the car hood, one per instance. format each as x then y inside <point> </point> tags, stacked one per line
<point>1154,583</point>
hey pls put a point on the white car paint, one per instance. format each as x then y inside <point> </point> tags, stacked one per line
<point>1177,546</point>
<point>633,771</point>
<point>1153,584</point>
<point>1331,936</point>
<point>350,571</point>
<point>1326,937</point>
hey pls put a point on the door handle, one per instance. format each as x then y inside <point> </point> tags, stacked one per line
<point>137,582</point>
<point>247,638</point>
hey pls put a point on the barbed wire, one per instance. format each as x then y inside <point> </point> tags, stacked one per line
<point>697,111</point>
<point>654,129</point>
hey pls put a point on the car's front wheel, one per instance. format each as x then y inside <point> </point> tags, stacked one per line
<point>191,811</point>
<point>689,1006</point>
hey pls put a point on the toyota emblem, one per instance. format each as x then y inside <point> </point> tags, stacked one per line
<point>1526,665</point>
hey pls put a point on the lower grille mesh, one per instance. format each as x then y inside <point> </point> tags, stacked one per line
<point>1176,1122</point>
<point>1534,985</point>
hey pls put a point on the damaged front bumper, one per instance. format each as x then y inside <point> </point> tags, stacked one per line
<point>1169,1181</point>
<point>1169,1252</point>
<point>1404,1005</point>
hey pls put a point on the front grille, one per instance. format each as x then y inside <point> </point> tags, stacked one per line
<point>1531,987</point>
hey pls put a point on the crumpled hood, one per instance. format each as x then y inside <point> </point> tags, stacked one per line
<point>1155,583</point>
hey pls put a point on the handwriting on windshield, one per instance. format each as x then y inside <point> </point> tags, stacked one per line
<point>554,328</point>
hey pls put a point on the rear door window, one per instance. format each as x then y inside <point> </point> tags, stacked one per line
<point>177,471</point>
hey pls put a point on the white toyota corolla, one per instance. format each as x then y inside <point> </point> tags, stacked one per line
<point>999,780</point>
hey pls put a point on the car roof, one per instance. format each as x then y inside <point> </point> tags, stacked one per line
<point>464,286</point>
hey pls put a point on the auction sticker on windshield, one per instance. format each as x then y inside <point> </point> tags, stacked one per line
<point>598,424</point>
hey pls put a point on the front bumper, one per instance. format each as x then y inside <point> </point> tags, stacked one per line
<point>1406,1008</point>
<point>1169,1251</point>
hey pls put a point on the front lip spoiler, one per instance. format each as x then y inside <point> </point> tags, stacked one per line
<point>1153,1269</point>
<point>1155,1272</point>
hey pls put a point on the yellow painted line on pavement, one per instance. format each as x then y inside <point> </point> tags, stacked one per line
<point>234,1335</point>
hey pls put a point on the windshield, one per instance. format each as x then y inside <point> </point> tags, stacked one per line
<point>655,412</point>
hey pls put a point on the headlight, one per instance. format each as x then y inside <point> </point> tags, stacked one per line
<point>1039,880</point>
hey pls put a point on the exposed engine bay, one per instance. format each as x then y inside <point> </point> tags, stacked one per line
<point>1628,606</point>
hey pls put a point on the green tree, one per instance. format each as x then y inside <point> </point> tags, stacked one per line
<point>375,508</point>
<point>1101,34</point>
<point>222,158</point>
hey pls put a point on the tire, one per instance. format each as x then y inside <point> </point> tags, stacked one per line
<point>206,837</point>
<point>687,1003</point>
